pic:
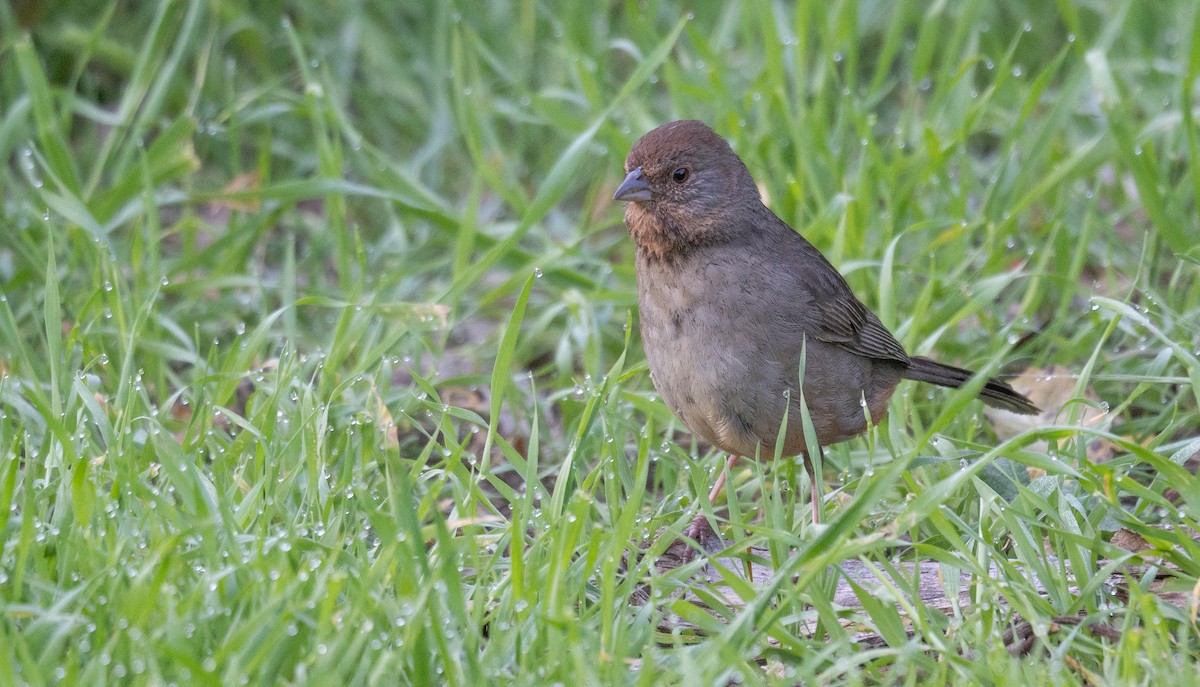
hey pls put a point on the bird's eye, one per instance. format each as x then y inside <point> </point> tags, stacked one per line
<point>680,175</point>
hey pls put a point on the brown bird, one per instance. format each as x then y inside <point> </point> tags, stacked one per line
<point>731,298</point>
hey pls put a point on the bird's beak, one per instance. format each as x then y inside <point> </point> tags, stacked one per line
<point>634,188</point>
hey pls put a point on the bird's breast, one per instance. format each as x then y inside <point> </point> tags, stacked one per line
<point>704,361</point>
<point>725,349</point>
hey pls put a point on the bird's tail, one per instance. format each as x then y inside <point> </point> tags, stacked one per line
<point>994,393</point>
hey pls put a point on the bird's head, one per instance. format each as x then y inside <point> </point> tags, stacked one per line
<point>684,186</point>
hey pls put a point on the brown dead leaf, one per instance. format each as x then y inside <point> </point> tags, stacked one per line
<point>1052,390</point>
<point>384,418</point>
<point>1130,541</point>
<point>246,181</point>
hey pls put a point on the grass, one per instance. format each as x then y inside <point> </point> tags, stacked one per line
<point>320,365</point>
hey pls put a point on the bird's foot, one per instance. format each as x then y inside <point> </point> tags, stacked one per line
<point>701,531</point>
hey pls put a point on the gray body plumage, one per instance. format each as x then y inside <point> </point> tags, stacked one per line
<point>727,360</point>
<point>731,299</point>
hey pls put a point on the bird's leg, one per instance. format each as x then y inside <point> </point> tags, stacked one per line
<point>719,485</point>
<point>814,490</point>
<point>700,522</point>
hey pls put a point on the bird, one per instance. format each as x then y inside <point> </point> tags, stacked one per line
<point>732,301</point>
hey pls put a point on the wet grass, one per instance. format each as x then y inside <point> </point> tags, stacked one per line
<point>320,361</point>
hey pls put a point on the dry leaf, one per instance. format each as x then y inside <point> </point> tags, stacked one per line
<point>1052,390</point>
<point>1130,541</point>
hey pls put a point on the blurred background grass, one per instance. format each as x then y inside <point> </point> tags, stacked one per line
<point>318,362</point>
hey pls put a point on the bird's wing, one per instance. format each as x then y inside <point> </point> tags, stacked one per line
<point>841,319</point>
<point>846,322</point>
<point>821,305</point>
